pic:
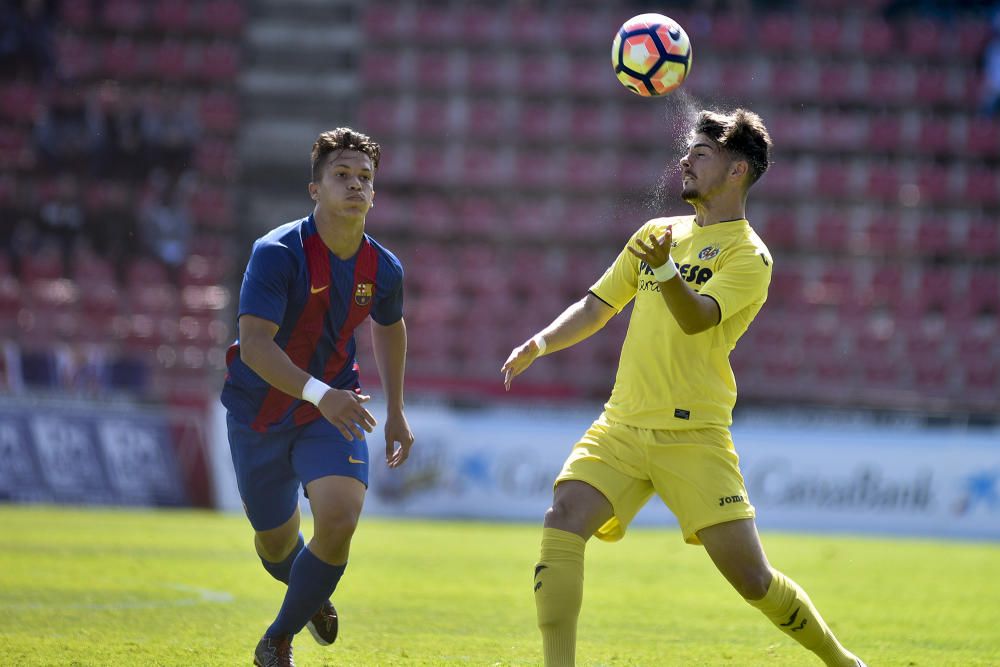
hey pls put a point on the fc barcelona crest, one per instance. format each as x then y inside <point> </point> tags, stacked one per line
<point>363,293</point>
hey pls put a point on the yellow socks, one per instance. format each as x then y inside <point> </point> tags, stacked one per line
<point>559,594</point>
<point>793,612</point>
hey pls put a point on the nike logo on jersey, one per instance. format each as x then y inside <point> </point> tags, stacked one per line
<point>317,290</point>
<point>351,459</point>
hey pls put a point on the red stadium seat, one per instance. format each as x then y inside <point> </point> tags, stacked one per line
<point>124,15</point>
<point>485,167</point>
<point>972,36</point>
<point>937,134</point>
<point>19,101</point>
<point>78,15</point>
<point>487,119</point>
<point>490,72</point>
<point>934,85</point>
<point>215,159</point>
<point>826,34</point>
<point>433,117</point>
<point>529,26</point>
<point>728,32</point>
<point>171,16</point>
<point>982,186</point>
<point>780,231</point>
<point>219,113</point>
<point>435,71</point>
<point>779,33</point>
<point>934,238</point>
<point>982,240</point>
<point>479,26</point>
<point>220,63</point>
<point>876,39</point>
<point>224,17</point>
<point>542,74</point>
<point>383,22</point>
<point>78,57</point>
<point>984,291</point>
<point>982,137</point>
<point>891,84</point>
<point>170,60</point>
<point>923,39</point>
<point>885,133</point>
<point>124,59</point>
<point>436,25</point>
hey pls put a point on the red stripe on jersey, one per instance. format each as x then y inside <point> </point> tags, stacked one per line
<point>362,295</point>
<point>307,331</point>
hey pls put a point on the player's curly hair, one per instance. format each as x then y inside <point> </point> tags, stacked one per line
<point>341,139</point>
<point>742,134</point>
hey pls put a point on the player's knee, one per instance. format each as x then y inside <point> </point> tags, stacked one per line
<point>753,584</point>
<point>275,547</point>
<point>335,530</point>
<point>564,515</point>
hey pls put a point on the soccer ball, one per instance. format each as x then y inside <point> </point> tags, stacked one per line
<point>651,54</point>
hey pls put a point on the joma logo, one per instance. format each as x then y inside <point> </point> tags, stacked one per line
<point>729,500</point>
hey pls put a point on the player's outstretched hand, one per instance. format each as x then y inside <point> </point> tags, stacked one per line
<point>397,430</point>
<point>656,252</point>
<point>345,410</point>
<point>520,358</point>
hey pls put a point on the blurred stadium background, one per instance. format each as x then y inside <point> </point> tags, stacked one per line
<point>144,145</point>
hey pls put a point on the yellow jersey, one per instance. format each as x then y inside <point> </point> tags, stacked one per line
<point>668,379</point>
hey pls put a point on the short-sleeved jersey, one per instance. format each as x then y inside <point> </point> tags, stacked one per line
<point>668,379</point>
<point>317,300</point>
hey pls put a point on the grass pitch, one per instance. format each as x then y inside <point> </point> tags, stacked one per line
<point>107,587</point>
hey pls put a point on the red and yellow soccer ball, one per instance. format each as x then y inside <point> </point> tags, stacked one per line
<point>651,54</point>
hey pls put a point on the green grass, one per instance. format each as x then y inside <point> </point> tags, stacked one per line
<point>105,587</point>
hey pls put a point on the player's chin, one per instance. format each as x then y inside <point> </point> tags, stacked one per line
<point>689,194</point>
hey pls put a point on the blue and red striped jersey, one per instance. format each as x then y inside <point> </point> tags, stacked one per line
<point>317,300</point>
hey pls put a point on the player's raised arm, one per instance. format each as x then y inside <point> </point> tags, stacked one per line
<point>694,312</point>
<point>578,322</point>
<point>340,407</point>
<point>389,347</point>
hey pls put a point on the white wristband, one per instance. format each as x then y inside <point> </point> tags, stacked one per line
<point>314,390</point>
<point>540,342</point>
<point>665,272</point>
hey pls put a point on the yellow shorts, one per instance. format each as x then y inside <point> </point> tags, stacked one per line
<point>696,473</point>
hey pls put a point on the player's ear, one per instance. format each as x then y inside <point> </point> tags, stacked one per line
<point>373,199</point>
<point>313,191</point>
<point>739,168</point>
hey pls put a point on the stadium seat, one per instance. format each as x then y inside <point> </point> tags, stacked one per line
<point>435,70</point>
<point>982,136</point>
<point>891,84</point>
<point>934,85</point>
<point>219,113</point>
<point>123,58</point>
<point>19,101</point>
<point>487,120</point>
<point>728,33</point>
<point>170,60</point>
<point>883,182</point>
<point>491,72</point>
<point>436,26</point>
<point>77,57</point>
<point>224,17</point>
<point>876,39</point>
<point>982,240</point>
<point>220,62</point>
<point>982,186</point>
<point>779,33</point>
<point>171,16</point>
<point>124,16</point>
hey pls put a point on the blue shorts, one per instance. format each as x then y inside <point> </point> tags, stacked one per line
<point>271,466</point>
